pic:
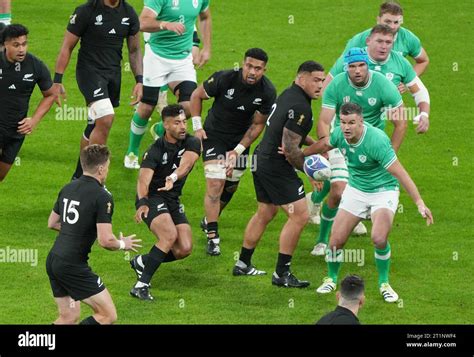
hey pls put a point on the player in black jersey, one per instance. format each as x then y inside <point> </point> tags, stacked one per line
<point>276,182</point>
<point>243,100</point>
<point>102,26</point>
<point>20,71</point>
<point>82,213</point>
<point>163,172</point>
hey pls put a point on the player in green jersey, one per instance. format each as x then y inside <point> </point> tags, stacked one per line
<point>379,99</point>
<point>395,68</point>
<point>168,59</point>
<point>406,42</point>
<point>373,192</point>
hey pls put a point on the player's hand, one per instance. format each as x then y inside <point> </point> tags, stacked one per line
<point>176,27</point>
<point>137,94</point>
<point>423,123</point>
<point>130,243</point>
<point>317,185</point>
<point>425,213</point>
<point>168,184</point>
<point>200,134</point>
<point>204,57</point>
<point>230,162</point>
<point>402,88</point>
<point>59,92</point>
<point>281,150</point>
<point>26,126</point>
<point>142,212</point>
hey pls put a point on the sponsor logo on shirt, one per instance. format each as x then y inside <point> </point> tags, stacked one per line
<point>389,76</point>
<point>12,87</point>
<point>362,158</point>
<point>359,93</point>
<point>377,68</point>
<point>112,32</point>
<point>98,20</point>
<point>346,99</point>
<point>301,190</point>
<point>230,94</point>
<point>372,101</point>
<point>1,71</point>
<point>257,101</point>
<point>99,282</point>
<point>180,153</point>
<point>28,78</point>
<point>161,207</point>
<point>97,92</point>
<point>125,21</point>
<point>210,152</point>
<point>241,107</point>
<point>174,167</point>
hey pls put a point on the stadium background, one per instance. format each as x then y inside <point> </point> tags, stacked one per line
<point>431,267</point>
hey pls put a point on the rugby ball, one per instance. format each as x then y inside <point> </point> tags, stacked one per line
<point>317,167</point>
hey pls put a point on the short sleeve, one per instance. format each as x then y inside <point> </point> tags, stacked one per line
<point>213,83</point>
<point>154,5</point>
<point>329,96</point>
<point>79,20</point>
<point>299,118</point>
<point>151,158</point>
<point>270,99</point>
<point>134,22</point>
<point>205,5</point>
<point>338,67</point>
<point>193,144</point>
<point>334,137</point>
<point>105,208</point>
<point>383,151</point>
<point>44,77</point>
<point>56,205</point>
<point>414,45</point>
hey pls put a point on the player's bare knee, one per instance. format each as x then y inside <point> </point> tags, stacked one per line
<point>145,110</point>
<point>215,187</point>
<point>266,215</point>
<point>379,240</point>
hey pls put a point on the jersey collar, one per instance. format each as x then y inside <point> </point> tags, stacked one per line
<point>298,88</point>
<point>88,178</point>
<point>369,82</point>
<point>360,140</point>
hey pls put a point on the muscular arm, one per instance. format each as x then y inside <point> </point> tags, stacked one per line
<point>135,54</point>
<point>197,97</point>
<point>44,106</point>
<point>144,179</point>
<point>318,147</point>
<point>69,43</point>
<point>148,21</point>
<point>397,117</point>
<point>253,132</point>
<point>422,62</point>
<point>205,27</point>
<point>186,164</point>
<point>324,122</point>
<point>290,143</point>
<point>54,222</point>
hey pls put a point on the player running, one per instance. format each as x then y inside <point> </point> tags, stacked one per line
<point>102,26</point>
<point>82,213</point>
<point>243,100</point>
<point>276,182</point>
<point>20,71</point>
<point>168,59</point>
<point>372,192</point>
<point>163,173</point>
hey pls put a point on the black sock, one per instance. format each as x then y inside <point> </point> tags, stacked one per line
<point>144,259</point>
<point>212,228</point>
<point>78,172</point>
<point>283,264</point>
<point>89,321</point>
<point>169,257</point>
<point>246,255</point>
<point>155,258</point>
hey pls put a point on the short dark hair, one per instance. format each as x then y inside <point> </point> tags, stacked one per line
<point>171,111</point>
<point>310,66</point>
<point>352,287</point>
<point>13,31</point>
<point>350,108</point>
<point>383,29</point>
<point>256,53</point>
<point>390,7</point>
<point>93,156</point>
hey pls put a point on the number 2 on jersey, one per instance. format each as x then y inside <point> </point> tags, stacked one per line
<point>274,106</point>
<point>70,209</point>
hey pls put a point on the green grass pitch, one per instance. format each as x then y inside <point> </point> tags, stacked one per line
<point>431,267</point>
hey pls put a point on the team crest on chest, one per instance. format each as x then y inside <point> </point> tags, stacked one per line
<point>389,76</point>
<point>98,20</point>
<point>346,99</point>
<point>195,3</point>
<point>175,3</point>
<point>230,93</point>
<point>372,101</point>
<point>362,158</point>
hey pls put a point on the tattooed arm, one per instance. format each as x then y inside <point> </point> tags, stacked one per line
<point>293,153</point>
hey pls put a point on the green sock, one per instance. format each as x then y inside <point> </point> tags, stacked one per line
<point>137,130</point>
<point>327,219</point>
<point>318,196</point>
<point>382,261</point>
<point>159,129</point>
<point>334,260</point>
<point>164,88</point>
<point>6,18</point>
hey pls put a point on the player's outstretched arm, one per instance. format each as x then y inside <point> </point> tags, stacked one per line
<point>399,172</point>
<point>27,125</point>
<point>196,100</point>
<point>397,117</point>
<point>319,147</point>
<point>422,62</point>
<point>54,221</point>
<point>186,164</point>
<point>205,27</point>
<point>149,23</point>
<point>108,240</point>
<point>136,63</point>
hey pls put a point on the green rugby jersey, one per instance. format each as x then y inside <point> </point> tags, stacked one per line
<point>395,68</point>
<point>168,44</point>
<point>405,43</point>
<point>374,98</point>
<point>368,159</point>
